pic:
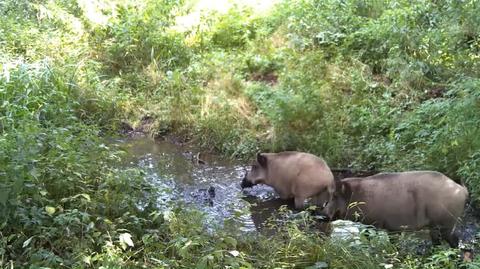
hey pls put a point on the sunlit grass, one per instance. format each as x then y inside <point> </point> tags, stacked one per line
<point>202,8</point>
<point>362,87</point>
<point>98,11</point>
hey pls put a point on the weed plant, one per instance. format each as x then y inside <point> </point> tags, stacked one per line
<point>384,85</point>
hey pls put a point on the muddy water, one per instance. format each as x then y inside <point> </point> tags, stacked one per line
<point>210,184</point>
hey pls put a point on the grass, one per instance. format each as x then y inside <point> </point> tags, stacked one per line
<point>389,85</point>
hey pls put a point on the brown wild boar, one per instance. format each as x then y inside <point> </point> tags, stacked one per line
<point>402,201</point>
<point>292,174</point>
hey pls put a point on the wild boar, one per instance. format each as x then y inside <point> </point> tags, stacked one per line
<point>402,201</point>
<point>292,174</point>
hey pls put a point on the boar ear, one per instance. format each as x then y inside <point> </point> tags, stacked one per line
<point>262,159</point>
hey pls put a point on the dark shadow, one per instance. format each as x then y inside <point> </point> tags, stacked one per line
<point>268,218</point>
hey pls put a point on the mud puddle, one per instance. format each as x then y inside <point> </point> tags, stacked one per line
<point>208,183</point>
<point>212,185</point>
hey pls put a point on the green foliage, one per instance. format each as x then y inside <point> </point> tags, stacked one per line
<point>233,29</point>
<point>56,177</point>
<point>386,85</point>
<point>139,36</point>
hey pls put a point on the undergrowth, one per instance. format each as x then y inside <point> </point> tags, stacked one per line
<point>384,85</point>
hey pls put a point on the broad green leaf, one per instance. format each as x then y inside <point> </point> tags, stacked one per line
<point>50,210</point>
<point>230,241</point>
<point>27,242</point>
<point>90,226</point>
<point>234,253</point>
<point>126,240</point>
<point>183,251</point>
<point>86,196</point>
<point>34,173</point>
<point>87,260</point>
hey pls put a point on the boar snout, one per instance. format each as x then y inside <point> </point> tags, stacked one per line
<point>245,183</point>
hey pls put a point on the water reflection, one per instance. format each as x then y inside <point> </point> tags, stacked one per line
<point>212,186</point>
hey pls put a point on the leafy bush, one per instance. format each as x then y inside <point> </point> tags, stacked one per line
<point>384,85</point>
<point>233,29</point>
<point>139,36</point>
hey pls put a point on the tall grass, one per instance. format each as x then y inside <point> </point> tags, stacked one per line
<point>388,85</point>
<point>381,85</point>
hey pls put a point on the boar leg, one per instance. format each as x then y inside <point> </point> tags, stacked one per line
<point>299,202</point>
<point>450,236</point>
<point>435,235</point>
